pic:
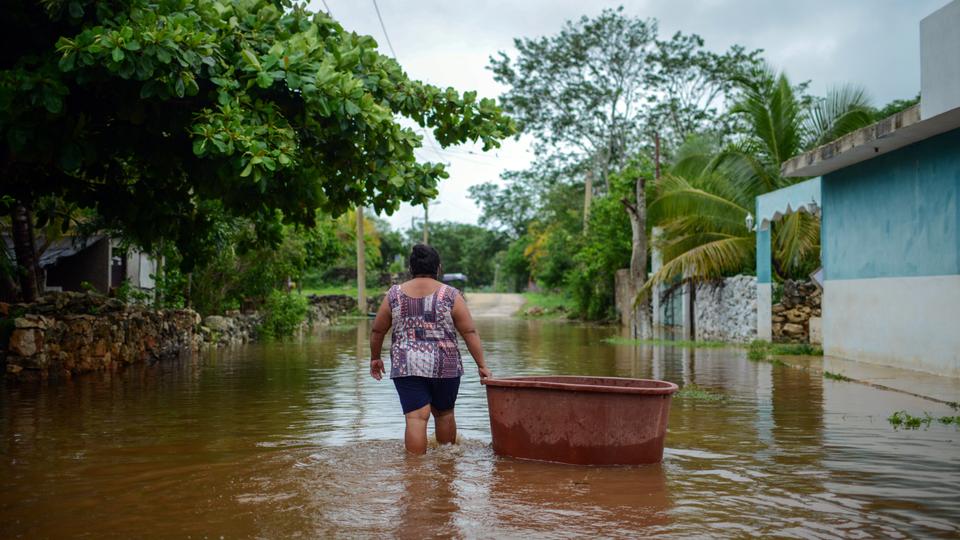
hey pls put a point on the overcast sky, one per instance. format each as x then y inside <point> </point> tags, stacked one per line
<point>874,43</point>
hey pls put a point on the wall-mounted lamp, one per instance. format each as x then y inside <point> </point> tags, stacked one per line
<point>750,221</point>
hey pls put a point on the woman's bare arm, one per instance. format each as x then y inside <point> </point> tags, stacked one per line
<point>464,323</point>
<point>381,324</point>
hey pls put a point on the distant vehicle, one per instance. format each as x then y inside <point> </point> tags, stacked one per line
<point>455,280</point>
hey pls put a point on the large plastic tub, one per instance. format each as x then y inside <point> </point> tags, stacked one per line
<point>579,420</point>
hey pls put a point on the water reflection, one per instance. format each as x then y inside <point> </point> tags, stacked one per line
<point>296,440</point>
<point>575,501</point>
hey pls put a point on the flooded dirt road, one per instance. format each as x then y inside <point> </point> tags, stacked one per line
<point>296,441</point>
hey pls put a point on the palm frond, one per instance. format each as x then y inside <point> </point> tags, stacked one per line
<point>683,199</point>
<point>694,156</point>
<point>846,108</point>
<point>795,243</point>
<point>712,259</point>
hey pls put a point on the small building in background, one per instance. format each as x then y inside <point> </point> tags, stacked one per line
<point>72,262</point>
<point>890,230</point>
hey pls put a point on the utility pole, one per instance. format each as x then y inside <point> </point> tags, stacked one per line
<point>426,222</point>
<point>361,265</point>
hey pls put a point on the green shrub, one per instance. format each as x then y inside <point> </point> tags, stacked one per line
<point>283,313</point>
<point>758,350</point>
<point>795,349</point>
<point>835,376</point>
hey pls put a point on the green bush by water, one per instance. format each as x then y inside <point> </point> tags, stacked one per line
<point>905,420</point>
<point>835,376</point>
<point>692,391</point>
<point>283,314</point>
<point>686,344</point>
<point>762,350</point>
<point>550,304</point>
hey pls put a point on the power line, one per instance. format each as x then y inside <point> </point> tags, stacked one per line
<point>386,36</point>
<point>384,27</point>
<point>330,13</point>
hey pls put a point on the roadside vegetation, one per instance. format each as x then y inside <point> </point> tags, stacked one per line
<point>243,137</point>
<point>547,305</point>
<point>239,139</point>
<point>698,393</point>
<point>905,420</point>
<point>684,344</point>
<point>603,98</point>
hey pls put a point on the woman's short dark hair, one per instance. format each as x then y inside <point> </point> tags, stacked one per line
<point>424,261</point>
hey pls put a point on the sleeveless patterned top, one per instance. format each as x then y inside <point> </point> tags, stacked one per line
<point>424,340</point>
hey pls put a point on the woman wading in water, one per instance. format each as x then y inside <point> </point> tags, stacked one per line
<point>425,362</point>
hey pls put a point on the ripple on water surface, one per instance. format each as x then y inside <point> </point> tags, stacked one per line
<point>295,440</point>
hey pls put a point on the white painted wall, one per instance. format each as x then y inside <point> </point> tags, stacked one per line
<point>140,268</point>
<point>909,322</point>
<point>940,61</point>
<point>765,311</point>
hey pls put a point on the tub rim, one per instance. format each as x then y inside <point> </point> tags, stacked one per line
<point>667,388</point>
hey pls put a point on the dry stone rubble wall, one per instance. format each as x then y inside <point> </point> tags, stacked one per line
<point>65,334</point>
<point>726,310</point>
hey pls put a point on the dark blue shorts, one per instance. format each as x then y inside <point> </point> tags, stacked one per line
<point>415,392</point>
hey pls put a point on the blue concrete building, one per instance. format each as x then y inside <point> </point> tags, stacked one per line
<point>889,198</point>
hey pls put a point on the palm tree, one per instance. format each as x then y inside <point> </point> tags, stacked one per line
<point>702,203</point>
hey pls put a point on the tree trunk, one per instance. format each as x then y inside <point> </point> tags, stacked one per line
<point>361,264</point>
<point>638,257</point>
<point>587,200</point>
<point>23,248</point>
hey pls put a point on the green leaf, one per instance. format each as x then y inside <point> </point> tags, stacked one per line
<point>397,181</point>
<point>52,102</point>
<point>199,147</point>
<point>132,45</point>
<point>247,170</point>
<point>264,80</point>
<point>284,159</point>
<point>76,10</point>
<point>251,59</point>
<point>163,55</point>
<point>67,61</point>
<point>117,54</point>
<point>179,87</point>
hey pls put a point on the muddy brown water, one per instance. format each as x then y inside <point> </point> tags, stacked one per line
<point>295,440</point>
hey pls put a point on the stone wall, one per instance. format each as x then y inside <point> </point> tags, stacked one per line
<point>64,334</point>
<point>69,333</point>
<point>726,310</point>
<point>232,328</point>
<point>799,303</point>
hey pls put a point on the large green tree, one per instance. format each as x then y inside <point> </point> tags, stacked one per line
<point>144,110</point>
<point>598,90</point>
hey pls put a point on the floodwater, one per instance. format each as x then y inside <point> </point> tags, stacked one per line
<point>295,440</point>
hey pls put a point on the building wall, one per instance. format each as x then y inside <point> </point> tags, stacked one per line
<point>891,252</point>
<point>91,265</point>
<point>939,61</point>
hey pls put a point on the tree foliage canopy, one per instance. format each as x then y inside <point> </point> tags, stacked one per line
<point>601,87</point>
<point>147,111</point>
